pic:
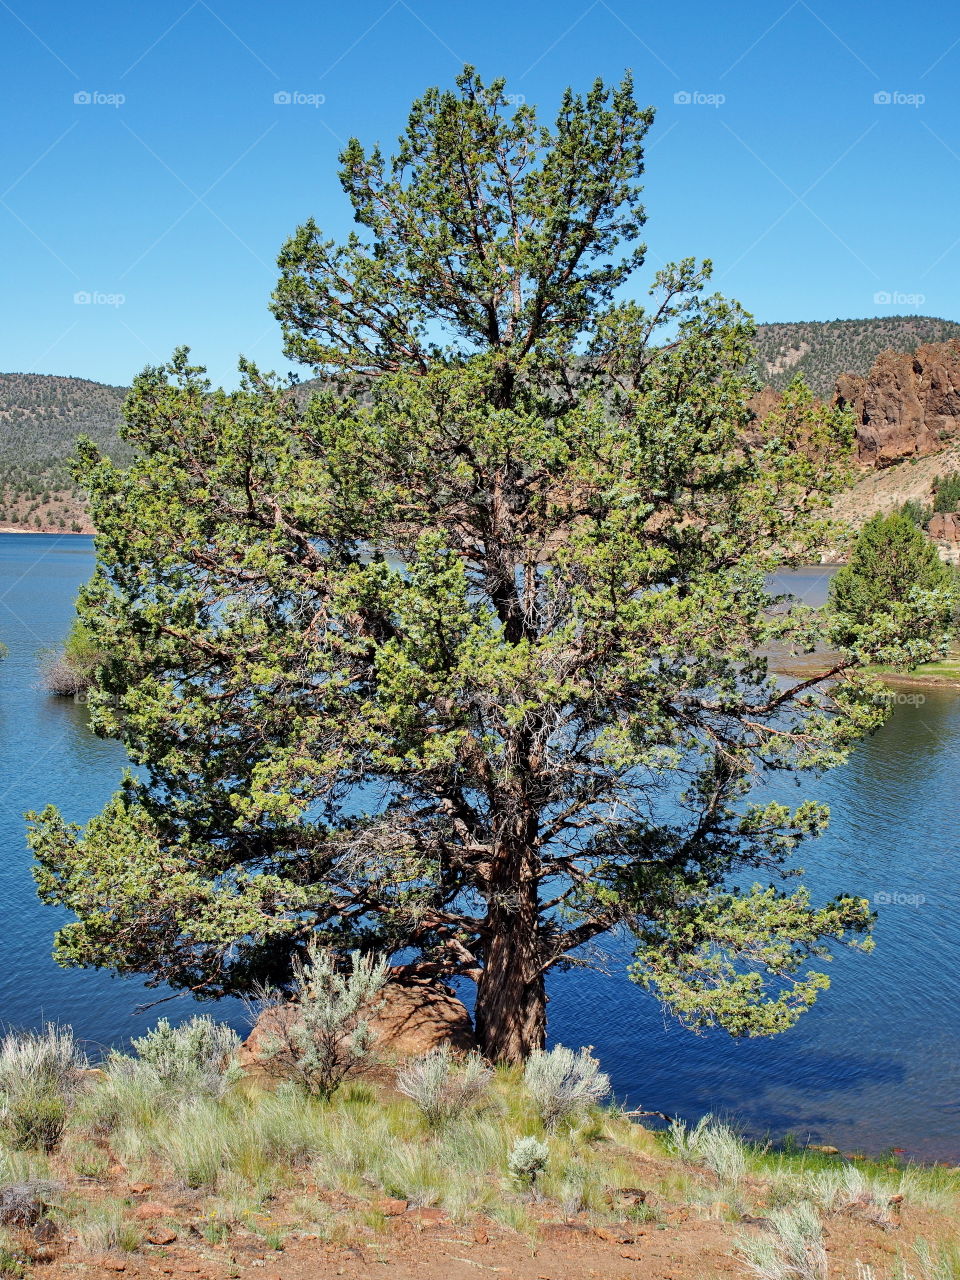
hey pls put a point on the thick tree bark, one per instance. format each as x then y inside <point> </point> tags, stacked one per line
<point>511,1008</point>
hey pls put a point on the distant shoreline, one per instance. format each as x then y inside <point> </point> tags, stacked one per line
<point>49,533</point>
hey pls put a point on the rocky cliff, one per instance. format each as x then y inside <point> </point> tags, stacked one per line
<point>907,406</point>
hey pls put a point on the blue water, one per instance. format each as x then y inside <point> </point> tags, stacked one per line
<point>875,1065</point>
<point>49,756</point>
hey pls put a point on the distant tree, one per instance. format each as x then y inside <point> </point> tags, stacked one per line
<point>916,512</point>
<point>946,492</point>
<point>893,570</point>
<point>71,670</point>
<point>465,656</point>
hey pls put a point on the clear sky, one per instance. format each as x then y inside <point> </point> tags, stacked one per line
<point>812,150</point>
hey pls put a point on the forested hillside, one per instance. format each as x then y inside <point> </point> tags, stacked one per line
<point>40,418</point>
<point>823,349</point>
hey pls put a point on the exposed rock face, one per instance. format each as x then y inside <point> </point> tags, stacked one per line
<point>944,526</point>
<point>907,406</point>
<point>418,1015</point>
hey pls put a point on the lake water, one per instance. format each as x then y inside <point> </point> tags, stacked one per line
<point>875,1065</point>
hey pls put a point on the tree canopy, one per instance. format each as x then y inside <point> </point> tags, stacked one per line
<point>466,656</point>
<point>893,571</point>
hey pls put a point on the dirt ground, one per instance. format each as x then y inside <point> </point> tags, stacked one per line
<point>409,1243</point>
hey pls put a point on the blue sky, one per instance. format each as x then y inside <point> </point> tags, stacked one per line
<point>811,150</point>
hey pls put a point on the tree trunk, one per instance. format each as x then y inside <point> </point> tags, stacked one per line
<point>511,1009</point>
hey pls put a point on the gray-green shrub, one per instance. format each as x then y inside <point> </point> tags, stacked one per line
<point>792,1249</point>
<point>324,1034</point>
<point>197,1057</point>
<point>442,1087</point>
<point>564,1085</point>
<point>40,1073</point>
<point>711,1143</point>
<point>527,1160</point>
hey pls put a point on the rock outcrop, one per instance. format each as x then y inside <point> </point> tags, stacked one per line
<point>944,526</point>
<point>417,1015</point>
<point>907,406</point>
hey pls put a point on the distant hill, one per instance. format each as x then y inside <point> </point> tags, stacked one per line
<point>823,349</point>
<point>41,416</point>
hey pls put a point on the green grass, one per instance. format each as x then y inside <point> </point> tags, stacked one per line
<point>280,1164</point>
<point>947,668</point>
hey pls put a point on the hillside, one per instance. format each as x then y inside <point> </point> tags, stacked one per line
<point>41,416</point>
<point>823,349</point>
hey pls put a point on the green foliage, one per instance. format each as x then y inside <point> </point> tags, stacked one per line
<point>917,512</point>
<point>35,1121</point>
<point>946,492</point>
<point>13,1261</point>
<point>81,650</point>
<point>464,654</point>
<point>894,597</point>
<point>72,670</point>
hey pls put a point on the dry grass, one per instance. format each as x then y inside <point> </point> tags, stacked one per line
<point>274,1164</point>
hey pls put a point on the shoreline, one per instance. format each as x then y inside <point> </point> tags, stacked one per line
<point>898,679</point>
<point>798,669</point>
<point>49,533</point>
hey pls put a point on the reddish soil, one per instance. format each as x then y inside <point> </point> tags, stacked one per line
<point>422,1244</point>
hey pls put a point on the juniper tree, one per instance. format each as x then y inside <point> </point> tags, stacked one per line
<point>893,569</point>
<point>464,654</point>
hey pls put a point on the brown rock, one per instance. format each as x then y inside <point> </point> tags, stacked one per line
<point>138,1188</point>
<point>426,1217</point>
<point>907,406</point>
<point>391,1208</point>
<point>480,1235</point>
<point>162,1235</point>
<point>944,526</point>
<point>151,1209</point>
<point>111,1264</point>
<point>616,1234</point>
<point>418,1014</point>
